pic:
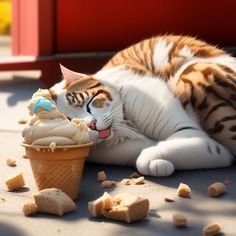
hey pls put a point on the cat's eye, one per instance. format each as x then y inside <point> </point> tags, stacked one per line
<point>87,105</point>
<point>87,108</point>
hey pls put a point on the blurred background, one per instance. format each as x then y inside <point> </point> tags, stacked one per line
<point>5,17</point>
<point>82,35</point>
<point>5,27</point>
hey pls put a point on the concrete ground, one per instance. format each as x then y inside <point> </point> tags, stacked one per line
<point>200,209</point>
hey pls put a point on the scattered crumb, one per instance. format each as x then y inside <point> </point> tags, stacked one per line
<point>11,161</point>
<point>184,190</point>
<point>216,189</point>
<point>179,220</point>
<point>2,199</point>
<point>137,181</point>
<point>29,208</point>
<point>15,182</point>
<point>108,184</point>
<point>24,156</point>
<point>101,176</point>
<point>135,175</point>
<point>169,199</point>
<point>22,121</point>
<point>126,181</point>
<point>211,229</point>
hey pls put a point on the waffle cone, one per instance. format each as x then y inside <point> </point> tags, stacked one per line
<point>61,168</point>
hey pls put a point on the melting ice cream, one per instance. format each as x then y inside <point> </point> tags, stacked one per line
<point>49,125</point>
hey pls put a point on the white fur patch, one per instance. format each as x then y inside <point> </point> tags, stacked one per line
<point>161,53</point>
<point>186,52</point>
<point>59,87</point>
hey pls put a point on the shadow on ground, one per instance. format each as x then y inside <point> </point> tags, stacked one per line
<point>10,230</point>
<point>19,88</point>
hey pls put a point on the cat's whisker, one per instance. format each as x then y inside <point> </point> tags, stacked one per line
<point>113,103</point>
<point>129,132</point>
<point>124,130</point>
<point>115,110</point>
<point>124,126</point>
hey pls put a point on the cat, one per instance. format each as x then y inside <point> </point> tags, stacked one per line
<point>166,103</point>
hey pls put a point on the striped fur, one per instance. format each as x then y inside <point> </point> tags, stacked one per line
<point>207,88</point>
<point>88,87</point>
<point>141,57</point>
<point>210,90</point>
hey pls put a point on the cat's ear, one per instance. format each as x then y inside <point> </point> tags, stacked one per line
<point>70,76</point>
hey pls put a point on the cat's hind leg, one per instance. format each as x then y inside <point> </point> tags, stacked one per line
<point>183,150</point>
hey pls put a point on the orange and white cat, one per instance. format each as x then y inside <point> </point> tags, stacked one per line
<point>166,103</point>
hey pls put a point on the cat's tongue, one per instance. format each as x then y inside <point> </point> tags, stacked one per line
<point>104,133</point>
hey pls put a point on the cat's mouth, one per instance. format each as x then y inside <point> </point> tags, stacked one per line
<point>105,133</point>
<point>101,133</point>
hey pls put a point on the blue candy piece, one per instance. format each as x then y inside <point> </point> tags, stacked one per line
<point>42,103</point>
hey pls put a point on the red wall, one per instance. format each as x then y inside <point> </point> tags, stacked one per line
<point>101,25</point>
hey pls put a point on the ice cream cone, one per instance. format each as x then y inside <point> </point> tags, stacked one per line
<point>61,167</point>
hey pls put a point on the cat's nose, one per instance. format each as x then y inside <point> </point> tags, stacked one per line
<point>92,124</point>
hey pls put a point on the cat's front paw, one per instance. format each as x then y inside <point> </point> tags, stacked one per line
<point>151,162</point>
<point>161,168</point>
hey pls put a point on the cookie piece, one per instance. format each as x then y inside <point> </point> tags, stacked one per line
<point>179,220</point>
<point>101,176</point>
<point>135,175</point>
<point>135,181</point>
<point>211,229</point>
<point>126,181</point>
<point>108,184</point>
<point>22,121</point>
<point>139,180</point>
<point>15,182</point>
<point>29,208</point>
<point>11,161</point>
<point>169,199</point>
<point>216,189</point>
<point>97,207</point>
<point>53,201</point>
<point>184,190</point>
<point>128,208</point>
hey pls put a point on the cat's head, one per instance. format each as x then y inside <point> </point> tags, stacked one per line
<point>84,97</point>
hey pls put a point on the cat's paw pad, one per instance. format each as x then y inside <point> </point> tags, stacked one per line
<point>161,168</point>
